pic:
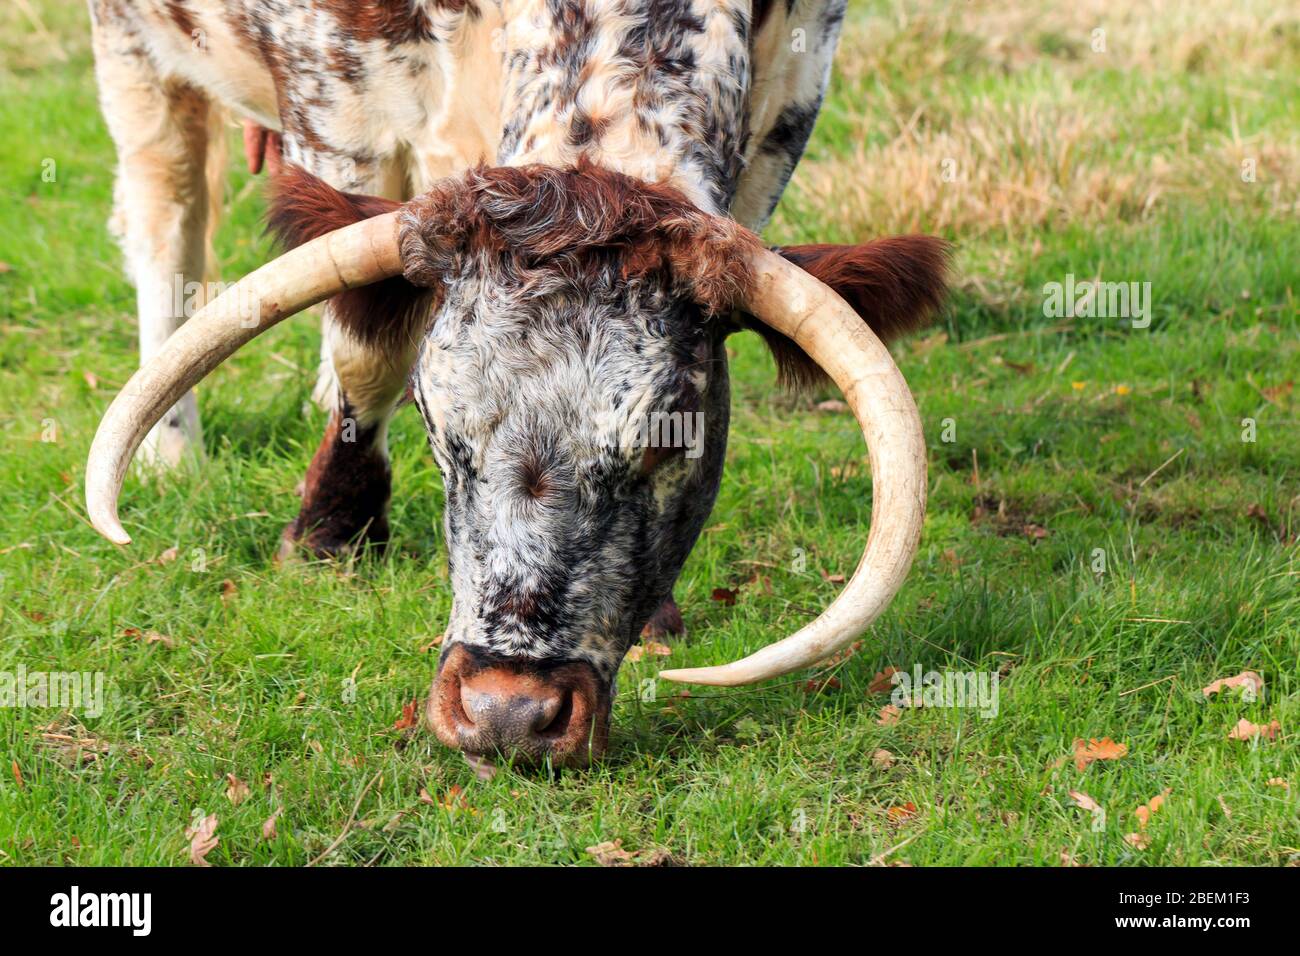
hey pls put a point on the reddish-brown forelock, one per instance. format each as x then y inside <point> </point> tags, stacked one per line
<point>534,220</point>
<point>529,222</point>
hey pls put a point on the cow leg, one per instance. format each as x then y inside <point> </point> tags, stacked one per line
<point>346,492</point>
<point>167,195</point>
<point>347,488</point>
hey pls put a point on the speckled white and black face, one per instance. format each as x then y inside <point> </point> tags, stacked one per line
<point>572,494</point>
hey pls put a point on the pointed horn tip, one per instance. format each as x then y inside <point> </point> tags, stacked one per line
<point>110,528</point>
<point>713,676</point>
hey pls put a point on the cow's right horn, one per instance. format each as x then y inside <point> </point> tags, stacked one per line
<point>356,255</point>
<point>815,318</point>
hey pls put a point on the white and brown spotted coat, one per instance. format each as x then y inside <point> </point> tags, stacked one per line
<point>385,96</point>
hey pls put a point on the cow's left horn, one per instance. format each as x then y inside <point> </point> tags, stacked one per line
<point>353,256</point>
<point>792,302</point>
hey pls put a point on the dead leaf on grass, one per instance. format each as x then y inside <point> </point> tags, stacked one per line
<point>1144,812</point>
<point>637,651</point>
<point>818,684</point>
<point>268,827</point>
<point>725,596</point>
<point>1251,684</point>
<point>149,637</point>
<point>901,814</point>
<point>1094,749</point>
<point>452,801</point>
<point>1245,730</point>
<point>888,715</point>
<point>882,683</point>
<point>203,839</point>
<point>1085,802</point>
<point>236,790</point>
<point>611,853</point>
<point>408,718</point>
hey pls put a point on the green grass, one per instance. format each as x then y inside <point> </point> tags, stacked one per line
<point>1112,439</point>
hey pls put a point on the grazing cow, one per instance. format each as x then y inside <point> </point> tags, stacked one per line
<point>536,216</point>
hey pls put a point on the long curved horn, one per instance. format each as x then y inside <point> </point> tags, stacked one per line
<point>356,255</point>
<point>832,335</point>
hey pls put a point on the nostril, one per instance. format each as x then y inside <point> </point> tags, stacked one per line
<point>553,716</point>
<point>464,706</point>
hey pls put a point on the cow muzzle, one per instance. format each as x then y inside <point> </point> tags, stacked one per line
<point>526,710</point>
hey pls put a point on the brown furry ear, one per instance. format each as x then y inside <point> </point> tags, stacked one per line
<point>895,284</point>
<point>305,207</point>
<point>383,315</point>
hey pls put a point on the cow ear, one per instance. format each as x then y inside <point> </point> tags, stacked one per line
<point>303,207</point>
<point>895,284</point>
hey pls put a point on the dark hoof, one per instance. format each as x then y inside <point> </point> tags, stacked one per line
<point>324,543</point>
<point>344,496</point>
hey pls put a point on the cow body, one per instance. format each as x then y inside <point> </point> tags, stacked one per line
<point>544,351</point>
<point>385,97</point>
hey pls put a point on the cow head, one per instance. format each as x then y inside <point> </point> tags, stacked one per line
<point>565,332</point>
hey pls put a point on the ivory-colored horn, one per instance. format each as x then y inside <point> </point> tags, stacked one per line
<point>356,255</point>
<point>832,335</point>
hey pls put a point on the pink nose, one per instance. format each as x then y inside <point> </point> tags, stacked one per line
<point>511,716</point>
<point>516,708</point>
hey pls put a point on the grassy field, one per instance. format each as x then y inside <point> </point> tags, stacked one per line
<point>1101,532</point>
